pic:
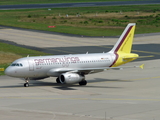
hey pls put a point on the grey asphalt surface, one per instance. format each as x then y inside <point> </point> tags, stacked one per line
<point>129,94</point>
<point>88,4</point>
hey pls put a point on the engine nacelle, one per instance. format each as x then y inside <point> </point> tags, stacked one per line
<point>70,78</point>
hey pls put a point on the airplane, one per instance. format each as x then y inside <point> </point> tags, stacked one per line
<point>71,69</point>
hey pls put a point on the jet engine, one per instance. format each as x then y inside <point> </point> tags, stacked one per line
<point>70,78</point>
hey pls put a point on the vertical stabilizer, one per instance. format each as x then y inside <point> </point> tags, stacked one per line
<point>124,44</point>
<point>122,49</point>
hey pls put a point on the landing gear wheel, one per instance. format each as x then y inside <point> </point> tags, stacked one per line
<point>57,80</point>
<point>26,84</point>
<point>83,82</point>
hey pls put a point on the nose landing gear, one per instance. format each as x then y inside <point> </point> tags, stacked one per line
<point>27,82</point>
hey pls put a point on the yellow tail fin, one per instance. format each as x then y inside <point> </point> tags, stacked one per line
<point>122,49</point>
<point>124,44</point>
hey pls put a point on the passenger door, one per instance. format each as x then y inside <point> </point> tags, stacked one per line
<point>31,65</point>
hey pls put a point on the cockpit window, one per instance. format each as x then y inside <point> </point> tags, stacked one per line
<point>16,64</point>
<point>13,64</point>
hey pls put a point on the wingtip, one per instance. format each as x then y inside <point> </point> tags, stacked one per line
<point>142,66</point>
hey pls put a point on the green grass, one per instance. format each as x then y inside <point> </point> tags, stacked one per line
<point>93,21</point>
<point>19,50</point>
<point>9,53</point>
<point>9,2</point>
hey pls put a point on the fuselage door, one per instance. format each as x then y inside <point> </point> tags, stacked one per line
<point>31,65</point>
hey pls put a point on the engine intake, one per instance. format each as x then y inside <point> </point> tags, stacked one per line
<point>70,78</point>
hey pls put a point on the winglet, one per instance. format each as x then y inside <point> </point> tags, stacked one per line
<point>142,66</point>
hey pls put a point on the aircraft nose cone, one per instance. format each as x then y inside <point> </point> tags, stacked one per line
<point>8,72</point>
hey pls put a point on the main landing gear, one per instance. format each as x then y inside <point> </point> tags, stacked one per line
<point>57,80</point>
<point>83,82</point>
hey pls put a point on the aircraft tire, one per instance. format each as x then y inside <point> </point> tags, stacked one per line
<point>83,82</point>
<point>26,84</point>
<point>57,80</point>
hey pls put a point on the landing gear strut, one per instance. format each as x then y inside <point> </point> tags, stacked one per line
<point>27,82</point>
<point>83,82</point>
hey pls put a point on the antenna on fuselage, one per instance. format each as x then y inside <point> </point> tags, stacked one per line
<point>87,52</point>
<point>27,55</point>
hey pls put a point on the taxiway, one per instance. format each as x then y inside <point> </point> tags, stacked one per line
<point>129,94</point>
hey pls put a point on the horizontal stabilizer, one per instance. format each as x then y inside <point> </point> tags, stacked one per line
<point>146,56</point>
<point>129,58</point>
<point>124,67</point>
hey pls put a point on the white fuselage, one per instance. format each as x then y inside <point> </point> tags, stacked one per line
<point>45,66</point>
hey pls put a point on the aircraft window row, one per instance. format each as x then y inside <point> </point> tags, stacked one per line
<point>74,62</point>
<point>16,64</point>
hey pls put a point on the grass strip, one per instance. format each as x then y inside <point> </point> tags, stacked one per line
<point>9,53</point>
<point>86,21</point>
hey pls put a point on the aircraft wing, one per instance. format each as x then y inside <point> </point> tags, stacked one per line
<point>90,70</point>
<point>94,70</point>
